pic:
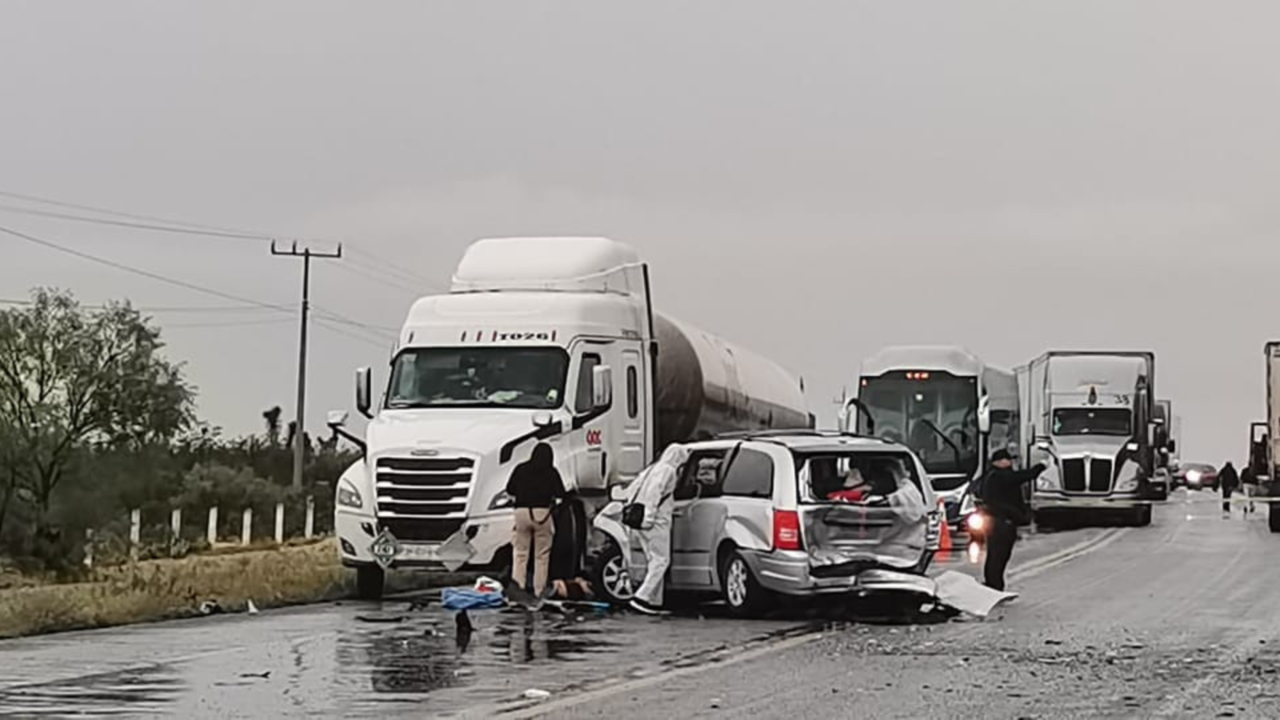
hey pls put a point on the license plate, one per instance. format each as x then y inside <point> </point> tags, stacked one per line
<point>410,551</point>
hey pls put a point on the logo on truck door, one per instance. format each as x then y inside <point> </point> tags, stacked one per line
<point>595,437</point>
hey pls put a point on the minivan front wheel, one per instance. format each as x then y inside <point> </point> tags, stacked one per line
<point>742,593</point>
<point>612,579</point>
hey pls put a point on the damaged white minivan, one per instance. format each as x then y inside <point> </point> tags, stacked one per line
<point>771,514</point>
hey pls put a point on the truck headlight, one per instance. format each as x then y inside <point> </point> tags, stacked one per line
<point>501,500</point>
<point>1127,480</point>
<point>348,496</point>
<point>1048,479</point>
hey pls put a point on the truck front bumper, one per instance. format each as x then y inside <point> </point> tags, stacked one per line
<point>356,531</point>
<point>1049,500</point>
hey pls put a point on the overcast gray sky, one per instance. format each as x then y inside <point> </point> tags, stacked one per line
<point>812,180</point>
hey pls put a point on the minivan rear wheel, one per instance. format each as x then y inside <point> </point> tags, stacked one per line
<point>742,593</point>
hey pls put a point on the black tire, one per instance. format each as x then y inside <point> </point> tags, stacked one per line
<point>1142,516</point>
<point>1273,518</point>
<point>369,581</point>
<point>742,593</point>
<point>609,577</point>
<point>1162,493</point>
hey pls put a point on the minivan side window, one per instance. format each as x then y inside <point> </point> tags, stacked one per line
<point>585,400</point>
<point>749,475</point>
<point>699,479</point>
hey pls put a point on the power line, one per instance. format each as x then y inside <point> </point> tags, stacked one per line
<point>138,271</point>
<point>135,225</point>
<point>149,223</point>
<point>229,323</point>
<point>321,322</point>
<point>160,308</point>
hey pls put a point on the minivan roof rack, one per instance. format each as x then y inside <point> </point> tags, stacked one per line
<point>790,432</point>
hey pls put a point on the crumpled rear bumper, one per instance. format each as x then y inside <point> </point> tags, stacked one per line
<point>789,573</point>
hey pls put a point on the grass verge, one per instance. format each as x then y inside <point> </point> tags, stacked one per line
<point>167,589</point>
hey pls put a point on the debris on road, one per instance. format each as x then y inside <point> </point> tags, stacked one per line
<point>262,675</point>
<point>536,694</point>
<point>387,619</point>
<point>210,607</point>
<point>252,609</point>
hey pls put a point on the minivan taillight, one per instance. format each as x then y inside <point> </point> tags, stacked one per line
<point>786,530</point>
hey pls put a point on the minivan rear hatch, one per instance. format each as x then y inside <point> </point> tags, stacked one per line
<point>861,509</point>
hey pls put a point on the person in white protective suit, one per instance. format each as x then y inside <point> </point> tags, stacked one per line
<point>654,490</point>
<point>910,531</point>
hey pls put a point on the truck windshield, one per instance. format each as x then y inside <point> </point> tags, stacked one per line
<point>935,414</point>
<point>1092,421</point>
<point>512,377</point>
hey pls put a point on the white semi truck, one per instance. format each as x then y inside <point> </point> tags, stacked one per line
<point>1091,420</point>
<point>539,339</point>
<point>946,404</point>
<point>1265,442</point>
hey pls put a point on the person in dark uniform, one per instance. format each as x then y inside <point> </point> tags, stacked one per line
<point>1002,499</point>
<point>1229,482</point>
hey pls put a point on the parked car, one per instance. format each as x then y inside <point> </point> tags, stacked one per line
<point>1196,476</point>
<point>754,520</point>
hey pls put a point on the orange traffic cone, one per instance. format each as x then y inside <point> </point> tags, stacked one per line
<point>944,542</point>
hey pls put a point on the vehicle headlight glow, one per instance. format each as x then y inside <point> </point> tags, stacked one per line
<point>1193,476</point>
<point>348,496</point>
<point>1127,480</point>
<point>976,522</point>
<point>501,500</point>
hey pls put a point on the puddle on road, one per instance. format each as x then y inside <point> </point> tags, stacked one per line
<point>125,693</point>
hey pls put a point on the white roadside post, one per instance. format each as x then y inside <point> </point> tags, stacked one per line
<point>246,526</point>
<point>279,523</point>
<point>212,533</point>
<point>135,533</point>
<point>309,531</point>
<point>175,523</point>
<point>88,548</point>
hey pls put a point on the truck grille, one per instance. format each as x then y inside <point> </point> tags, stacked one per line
<point>423,499</point>
<point>1100,475</point>
<point>1073,475</point>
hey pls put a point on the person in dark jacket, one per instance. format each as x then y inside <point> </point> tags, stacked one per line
<point>1001,497</point>
<point>535,485</point>
<point>1229,482</point>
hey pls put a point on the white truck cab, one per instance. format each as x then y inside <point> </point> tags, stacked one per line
<point>540,339</point>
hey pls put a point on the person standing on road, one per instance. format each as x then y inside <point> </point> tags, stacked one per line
<point>1002,499</point>
<point>653,491</point>
<point>1249,486</point>
<point>1229,482</point>
<point>534,486</point>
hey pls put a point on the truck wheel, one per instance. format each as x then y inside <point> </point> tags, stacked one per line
<point>1162,493</point>
<point>1142,516</point>
<point>610,578</point>
<point>742,593</point>
<point>1273,518</point>
<point>369,579</point>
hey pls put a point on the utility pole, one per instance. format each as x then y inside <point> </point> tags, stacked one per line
<point>299,433</point>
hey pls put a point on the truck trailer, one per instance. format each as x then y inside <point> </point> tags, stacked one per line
<point>1091,420</point>
<point>539,340</point>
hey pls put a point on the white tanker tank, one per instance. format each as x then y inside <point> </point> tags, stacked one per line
<point>540,339</point>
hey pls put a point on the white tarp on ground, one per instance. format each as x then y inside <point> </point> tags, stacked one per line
<point>965,593</point>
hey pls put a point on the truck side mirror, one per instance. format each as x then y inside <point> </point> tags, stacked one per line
<point>601,387</point>
<point>337,418</point>
<point>984,414</point>
<point>364,391</point>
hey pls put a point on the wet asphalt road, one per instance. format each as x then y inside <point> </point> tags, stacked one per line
<point>1176,619</point>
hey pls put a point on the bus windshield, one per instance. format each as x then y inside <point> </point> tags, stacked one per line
<point>933,413</point>
<point>511,377</point>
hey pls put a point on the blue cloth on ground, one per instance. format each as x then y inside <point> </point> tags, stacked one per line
<point>470,599</point>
